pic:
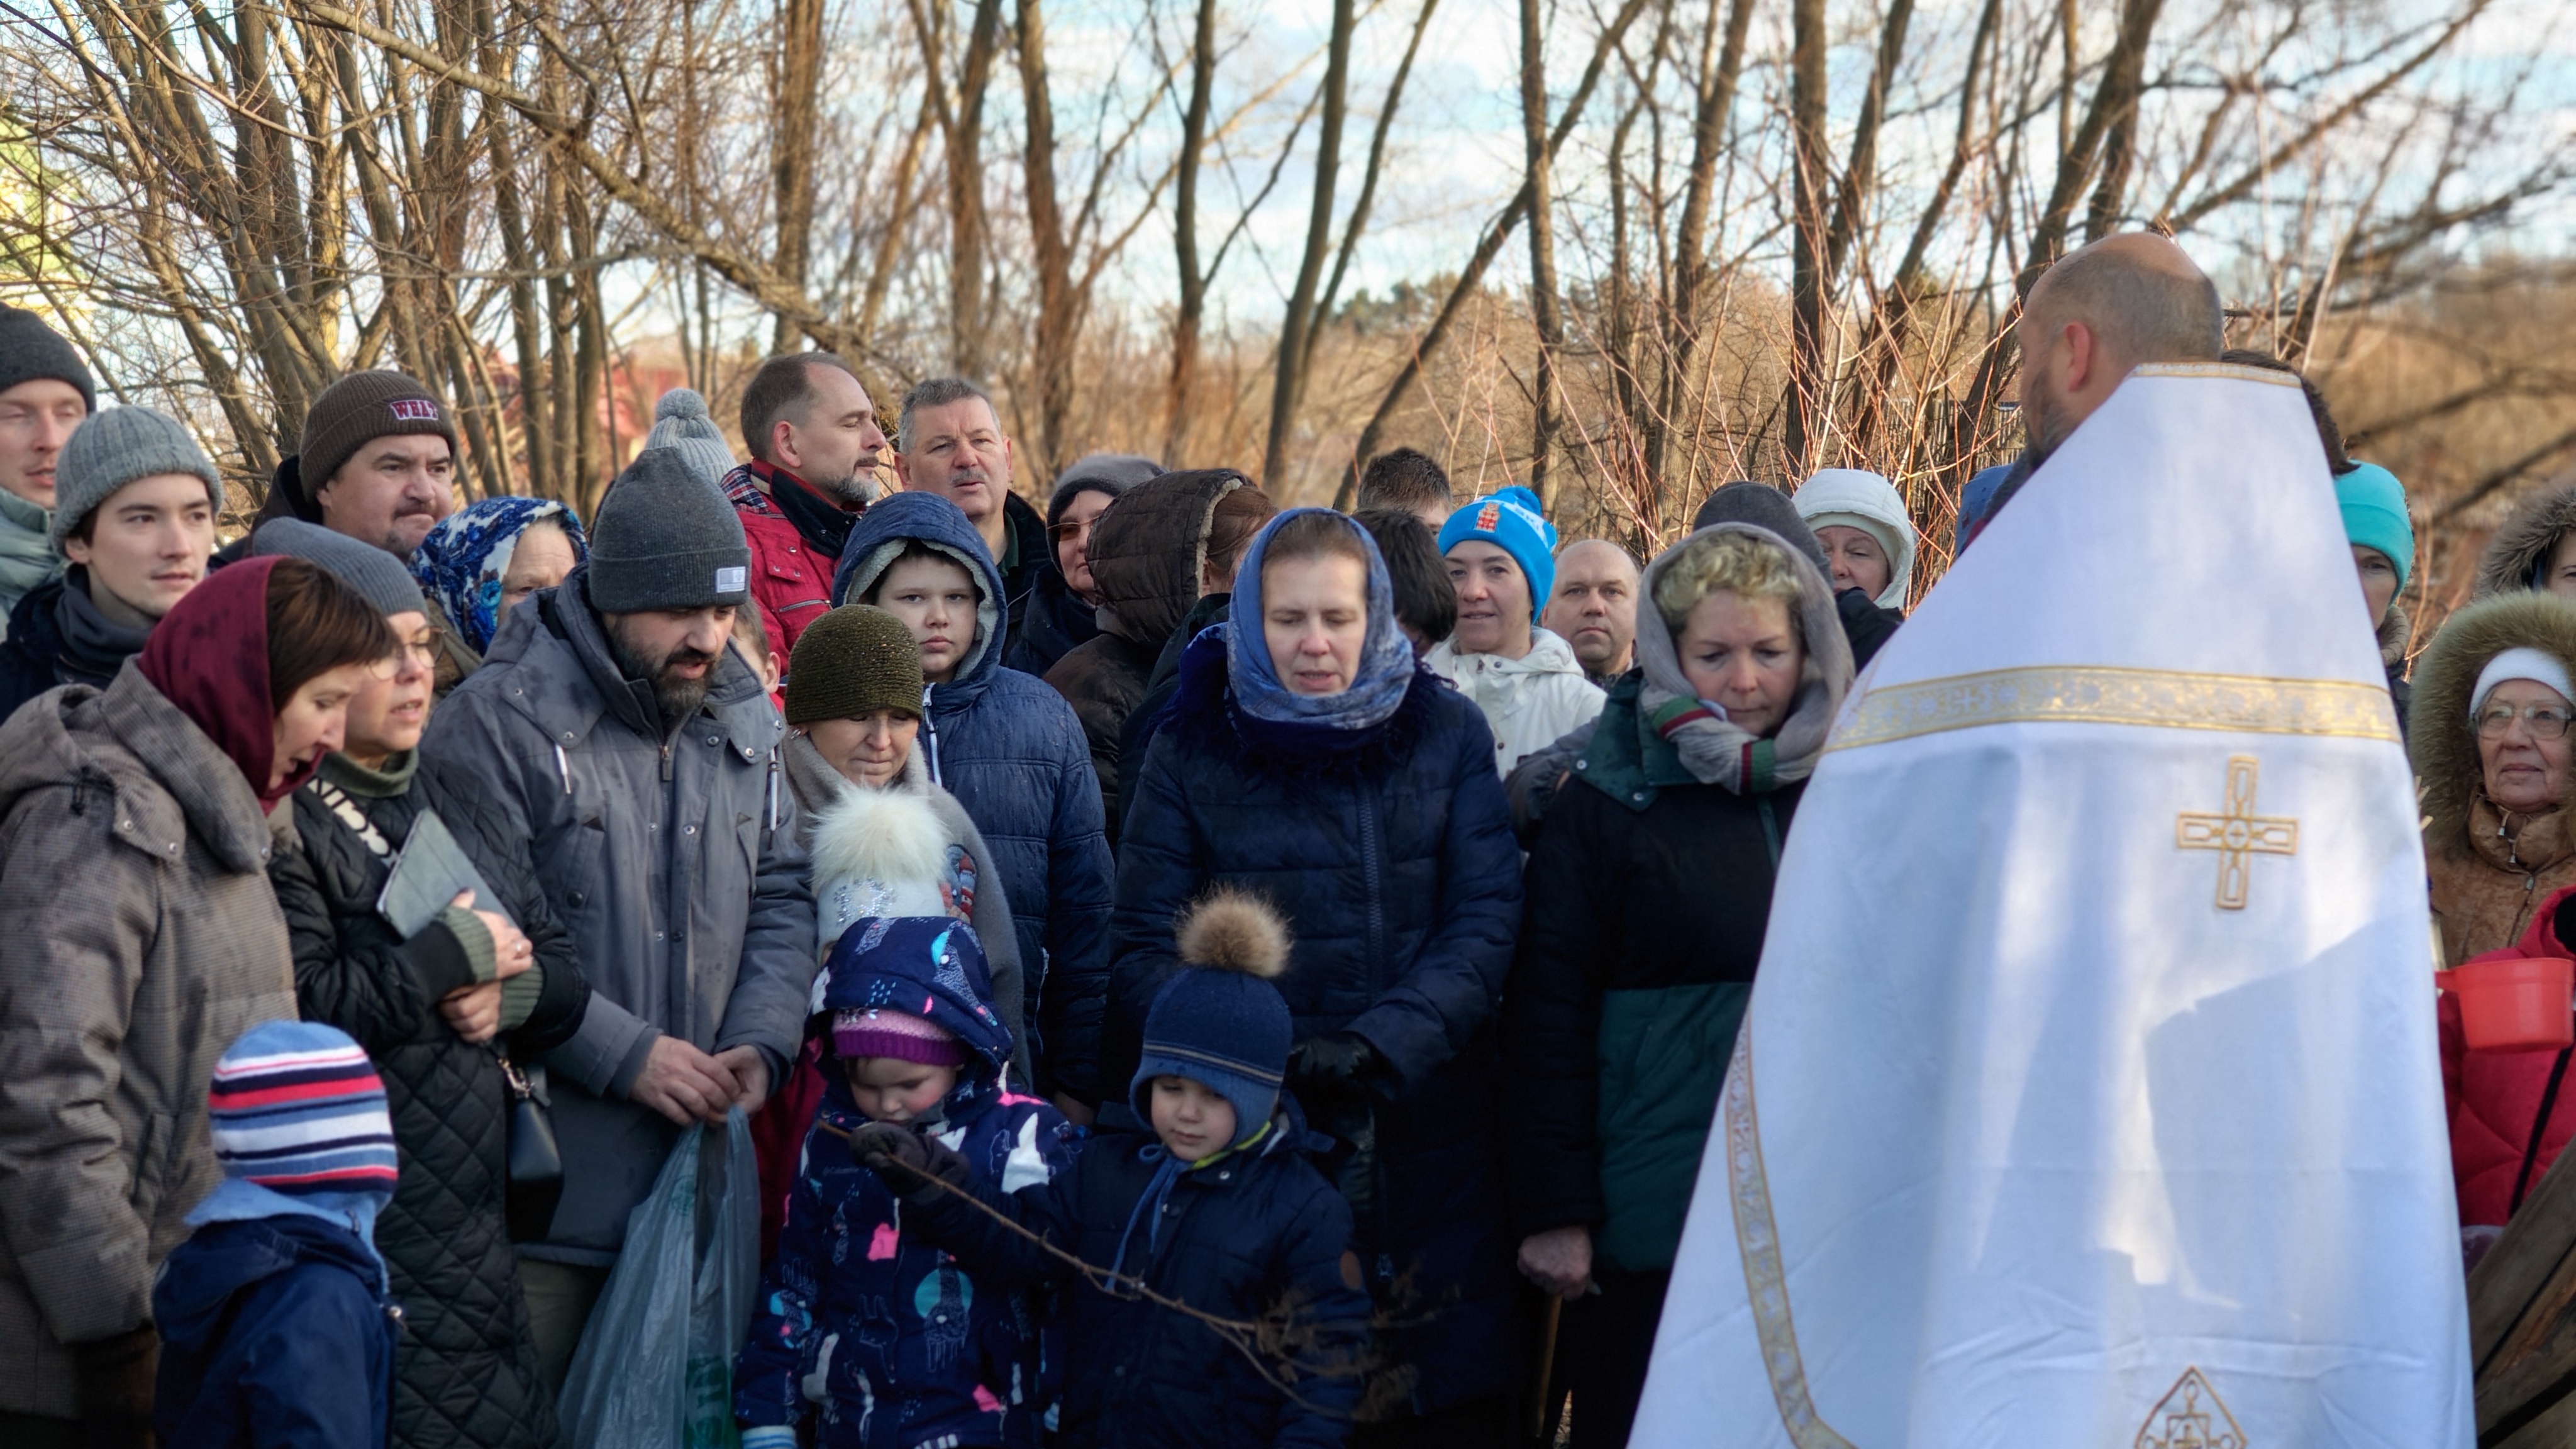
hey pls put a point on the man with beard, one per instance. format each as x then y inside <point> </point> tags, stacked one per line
<point>613,746</point>
<point>814,440</point>
<point>377,462</point>
<point>2104,309</point>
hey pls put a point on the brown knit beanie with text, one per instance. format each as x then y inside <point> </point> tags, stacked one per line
<point>357,410</point>
<point>853,661</point>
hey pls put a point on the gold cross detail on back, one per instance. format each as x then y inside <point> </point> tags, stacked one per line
<point>2238,835</point>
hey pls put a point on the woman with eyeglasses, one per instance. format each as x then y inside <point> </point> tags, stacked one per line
<point>437,1011</point>
<point>2488,732</point>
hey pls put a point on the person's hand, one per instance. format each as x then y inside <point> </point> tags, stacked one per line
<point>751,1069</point>
<point>1559,1260</point>
<point>112,1388</point>
<point>1334,1070</point>
<point>512,952</point>
<point>907,1161</point>
<point>473,1012</point>
<point>683,1083</point>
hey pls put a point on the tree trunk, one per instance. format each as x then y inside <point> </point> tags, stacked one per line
<point>1810,378</point>
<point>1191,305</point>
<point>1288,381</point>
<point>1542,238</point>
<point>1056,317</point>
<point>798,109</point>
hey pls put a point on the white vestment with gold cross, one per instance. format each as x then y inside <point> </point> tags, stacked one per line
<point>2089,1094</point>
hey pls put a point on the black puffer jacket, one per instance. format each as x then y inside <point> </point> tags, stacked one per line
<point>466,1369</point>
<point>41,652</point>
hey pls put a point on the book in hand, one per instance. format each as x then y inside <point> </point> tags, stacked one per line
<point>429,871</point>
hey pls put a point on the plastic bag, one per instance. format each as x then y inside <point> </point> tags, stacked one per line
<point>655,1365</point>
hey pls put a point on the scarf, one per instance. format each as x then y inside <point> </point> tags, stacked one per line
<point>27,556</point>
<point>824,524</point>
<point>93,645</point>
<point>1715,749</point>
<point>461,562</point>
<point>209,657</point>
<point>1386,657</point>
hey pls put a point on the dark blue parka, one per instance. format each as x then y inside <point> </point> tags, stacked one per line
<point>911,1348</point>
<point>1396,869</point>
<point>1255,1232</point>
<point>275,1333</point>
<point>1012,752</point>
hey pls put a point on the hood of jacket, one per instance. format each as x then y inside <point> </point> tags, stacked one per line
<point>2525,540</point>
<point>1856,498</point>
<point>879,538</point>
<point>1549,654</point>
<point>165,778</point>
<point>197,1288</point>
<point>1148,550</point>
<point>1714,749</point>
<point>930,966</point>
<point>2438,737</point>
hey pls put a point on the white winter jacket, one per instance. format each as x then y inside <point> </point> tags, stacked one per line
<point>1530,701</point>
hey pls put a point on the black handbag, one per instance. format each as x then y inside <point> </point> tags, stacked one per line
<point>536,1175</point>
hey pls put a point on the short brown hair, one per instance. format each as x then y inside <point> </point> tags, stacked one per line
<point>1404,478</point>
<point>782,386</point>
<point>1419,577</point>
<point>316,624</point>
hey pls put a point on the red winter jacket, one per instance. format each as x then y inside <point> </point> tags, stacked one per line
<point>2493,1097</point>
<point>790,582</point>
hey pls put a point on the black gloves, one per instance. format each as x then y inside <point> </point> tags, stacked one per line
<point>904,1158</point>
<point>1331,1073</point>
<point>112,1386</point>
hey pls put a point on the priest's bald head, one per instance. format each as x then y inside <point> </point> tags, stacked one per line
<point>2103,309</point>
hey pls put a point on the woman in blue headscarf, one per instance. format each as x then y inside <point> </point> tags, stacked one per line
<point>1306,758</point>
<point>483,559</point>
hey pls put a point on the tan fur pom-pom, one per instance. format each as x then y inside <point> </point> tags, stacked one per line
<point>1233,930</point>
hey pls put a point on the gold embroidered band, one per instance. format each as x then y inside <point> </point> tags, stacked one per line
<point>2091,694</point>
<point>1766,1285</point>
<point>2235,370</point>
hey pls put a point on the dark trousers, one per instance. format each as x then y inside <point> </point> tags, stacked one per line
<point>1603,1342</point>
<point>1482,1424</point>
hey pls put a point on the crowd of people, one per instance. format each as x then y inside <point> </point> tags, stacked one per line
<point>1127,925</point>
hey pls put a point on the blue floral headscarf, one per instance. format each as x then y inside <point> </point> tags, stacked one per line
<point>463,558</point>
<point>1386,658</point>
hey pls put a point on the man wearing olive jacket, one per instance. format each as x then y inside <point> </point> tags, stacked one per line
<point>617,746</point>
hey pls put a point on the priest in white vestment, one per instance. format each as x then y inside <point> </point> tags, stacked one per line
<point>2089,1095</point>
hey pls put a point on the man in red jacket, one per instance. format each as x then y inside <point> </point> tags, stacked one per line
<point>814,441</point>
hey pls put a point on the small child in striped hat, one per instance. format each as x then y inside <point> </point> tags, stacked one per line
<point>275,1327</point>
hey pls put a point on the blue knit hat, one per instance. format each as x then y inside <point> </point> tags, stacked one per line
<point>2374,515</point>
<point>297,1108</point>
<point>1510,520</point>
<point>1219,1021</point>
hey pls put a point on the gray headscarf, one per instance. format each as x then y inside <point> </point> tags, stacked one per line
<point>1713,748</point>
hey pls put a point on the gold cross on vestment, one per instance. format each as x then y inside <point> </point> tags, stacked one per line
<point>2238,835</point>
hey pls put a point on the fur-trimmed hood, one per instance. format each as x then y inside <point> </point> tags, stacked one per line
<point>2525,540</point>
<point>2444,751</point>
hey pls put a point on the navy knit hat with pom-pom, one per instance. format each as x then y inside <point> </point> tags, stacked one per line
<point>1219,1021</point>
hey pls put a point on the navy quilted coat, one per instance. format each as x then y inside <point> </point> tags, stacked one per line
<point>1398,875</point>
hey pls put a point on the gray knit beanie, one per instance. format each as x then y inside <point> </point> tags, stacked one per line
<point>29,350</point>
<point>680,422</point>
<point>378,576</point>
<point>111,449</point>
<point>1110,473</point>
<point>665,540</point>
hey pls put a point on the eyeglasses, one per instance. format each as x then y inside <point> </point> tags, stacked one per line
<point>1070,529</point>
<point>422,652</point>
<point>2545,721</point>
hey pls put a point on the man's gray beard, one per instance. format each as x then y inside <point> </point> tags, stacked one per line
<point>676,698</point>
<point>858,490</point>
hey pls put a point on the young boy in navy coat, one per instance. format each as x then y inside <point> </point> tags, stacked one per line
<point>1219,1210</point>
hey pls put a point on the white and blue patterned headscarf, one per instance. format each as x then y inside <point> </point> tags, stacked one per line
<point>461,561</point>
<point>1386,657</point>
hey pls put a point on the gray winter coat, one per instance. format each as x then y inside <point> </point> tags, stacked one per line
<point>141,938</point>
<point>672,862</point>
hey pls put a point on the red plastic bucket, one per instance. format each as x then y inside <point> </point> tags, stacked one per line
<point>2520,1004</point>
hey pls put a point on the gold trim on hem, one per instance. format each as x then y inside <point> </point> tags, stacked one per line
<point>2094,694</point>
<point>2235,370</point>
<point>1757,1239</point>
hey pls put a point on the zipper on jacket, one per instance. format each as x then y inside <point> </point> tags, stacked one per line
<point>930,730</point>
<point>666,758</point>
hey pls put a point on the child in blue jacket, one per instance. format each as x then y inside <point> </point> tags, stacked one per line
<point>1220,1210</point>
<point>275,1329</point>
<point>886,1339</point>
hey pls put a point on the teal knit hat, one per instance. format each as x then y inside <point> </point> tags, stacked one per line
<point>2374,515</point>
<point>1509,519</point>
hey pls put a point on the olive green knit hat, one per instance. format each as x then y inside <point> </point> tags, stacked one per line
<point>854,660</point>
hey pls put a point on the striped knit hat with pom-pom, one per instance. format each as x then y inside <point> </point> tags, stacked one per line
<point>298,1109</point>
<point>1219,1021</point>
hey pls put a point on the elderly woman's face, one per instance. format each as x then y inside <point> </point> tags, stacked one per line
<point>2525,771</point>
<point>540,561</point>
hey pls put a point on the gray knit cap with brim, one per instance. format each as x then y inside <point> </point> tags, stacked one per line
<point>665,540</point>
<point>378,576</point>
<point>111,449</point>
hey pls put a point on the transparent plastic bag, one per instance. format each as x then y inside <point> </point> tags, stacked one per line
<point>655,1365</point>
